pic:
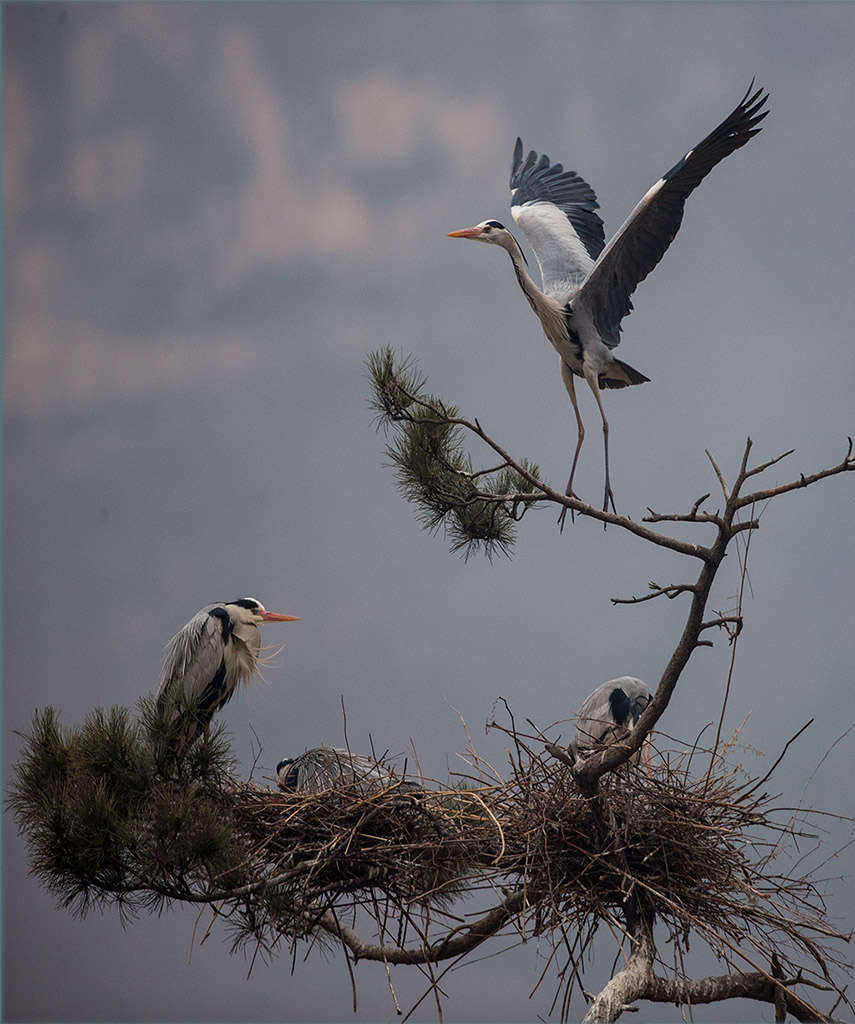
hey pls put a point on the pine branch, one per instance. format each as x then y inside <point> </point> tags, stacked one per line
<point>476,508</point>
<point>565,845</point>
<point>456,943</point>
<point>754,985</point>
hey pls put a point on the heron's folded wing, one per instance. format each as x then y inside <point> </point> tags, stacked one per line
<point>195,655</point>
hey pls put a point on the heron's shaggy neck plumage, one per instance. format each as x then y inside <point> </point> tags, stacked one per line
<point>241,655</point>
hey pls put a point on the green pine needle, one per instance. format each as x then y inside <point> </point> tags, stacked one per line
<point>476,510</point>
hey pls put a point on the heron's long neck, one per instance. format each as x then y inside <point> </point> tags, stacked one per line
<point>535,296</point>
<point>548,310</point>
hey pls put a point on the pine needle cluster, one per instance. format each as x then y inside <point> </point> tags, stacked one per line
<point>477,509</point>
<point>104,824</point>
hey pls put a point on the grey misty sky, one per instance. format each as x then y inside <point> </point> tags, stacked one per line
<point>212,212</point>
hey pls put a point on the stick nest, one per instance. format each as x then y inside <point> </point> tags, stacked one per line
<point>696,850</point>
<point>345,839</point>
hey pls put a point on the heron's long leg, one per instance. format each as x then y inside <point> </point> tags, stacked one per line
<point>567,377</point>
<point>594,384</point>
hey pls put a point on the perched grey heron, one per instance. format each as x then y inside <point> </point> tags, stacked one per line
<point>325,767</point>
<point>609,714</point>
<point>216,651</point>
<point>587,284</point>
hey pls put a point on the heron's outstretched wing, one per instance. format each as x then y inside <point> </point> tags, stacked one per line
<point>648,231</point>
<point>195,656</point>
<point>556,211</point>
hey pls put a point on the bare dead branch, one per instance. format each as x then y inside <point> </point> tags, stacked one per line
<point>725,621</point>
<point>671,591</point>
<point>760,782</point>
<point>682,517</point>
<point>561,754</point>
<point>728,986</point>
<point>698,503</point>
<point>631,981</point>
<point>846,465</point>
<point>449,947</point>
<point>756,470</point>
<point>722,482</point>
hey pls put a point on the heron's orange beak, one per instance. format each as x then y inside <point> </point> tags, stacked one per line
<point>276,617</point>
<point>465,233</point>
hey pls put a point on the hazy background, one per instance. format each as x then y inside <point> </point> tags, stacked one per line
<point>211,214</point>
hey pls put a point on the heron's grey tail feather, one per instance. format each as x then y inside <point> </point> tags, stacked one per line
<point>621,375</point>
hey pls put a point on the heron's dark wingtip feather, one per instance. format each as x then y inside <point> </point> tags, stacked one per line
<point>748,99</point>
<point>741,125</point>
<point>516,160</point>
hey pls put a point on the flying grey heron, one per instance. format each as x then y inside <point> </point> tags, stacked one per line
<point>207,660</point>
<point>325,767</point>
<point>609,714</point>
<point>587,284</point>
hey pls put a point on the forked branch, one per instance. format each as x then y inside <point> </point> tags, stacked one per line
<point>433,468</point>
